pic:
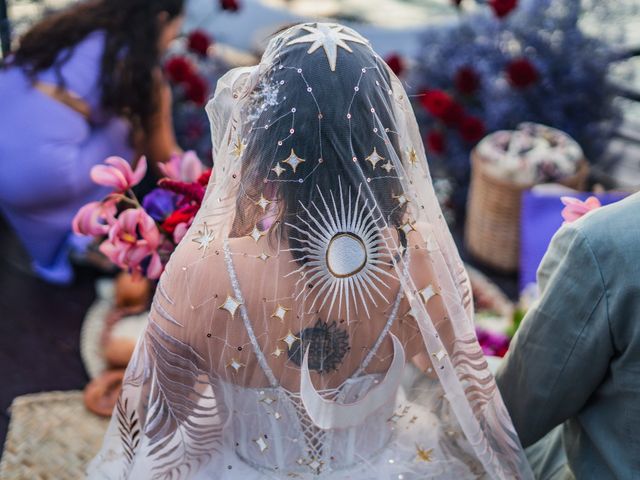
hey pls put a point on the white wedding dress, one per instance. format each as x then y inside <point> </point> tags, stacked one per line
<point>316,321</point>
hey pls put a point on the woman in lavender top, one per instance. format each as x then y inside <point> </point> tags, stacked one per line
<point>83,85</point>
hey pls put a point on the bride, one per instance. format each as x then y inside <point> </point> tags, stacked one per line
<point>316,321</point>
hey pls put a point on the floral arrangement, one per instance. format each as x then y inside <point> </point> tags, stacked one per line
<point>140,235</point>
<point>502,64</point>
<point>193,70</point>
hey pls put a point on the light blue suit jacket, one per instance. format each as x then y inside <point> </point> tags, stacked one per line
<point>576,359</point>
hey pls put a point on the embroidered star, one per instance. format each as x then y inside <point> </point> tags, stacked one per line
<point>204,238</point>
<point>230,305</point>
<point>277,352</point>
<point>278,169</point>
<point>277,416</point>
<point>423,455</point>
<point>440,355</point>
<point>238,147</point>
<point>374,158</point>
<point>427,293</point>
<point>395,417</point>
<point>293,160</point>
<point>263,256</point>
<point>268,400</point>
<point>402,199</point>
<point>235,364</point>
<point>256,234</point>
<point>407,227</point>
<point>387,166</point>
<point>329,37</point>
<point>315,465</point>
<point>290,339</point>
<point>413,156</point>
<point>263,203</point>
<point>262,445</point>
<point>280,312</point>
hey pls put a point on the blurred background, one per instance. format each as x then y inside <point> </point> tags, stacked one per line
<point>520,102</point>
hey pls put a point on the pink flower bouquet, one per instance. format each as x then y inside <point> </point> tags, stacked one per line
<point>139,236</point>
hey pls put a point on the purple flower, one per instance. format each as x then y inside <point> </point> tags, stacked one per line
<point>495,344</point>
<point>160,203</point>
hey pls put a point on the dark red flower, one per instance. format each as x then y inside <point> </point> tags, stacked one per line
<point>436,102</point>
<point>193,192</point>
<point>467,81</point>
<point>199,42</point>
<point>196,89</point>
<point>396,63</point>
<point>182,215</point>
<point>453,115</point>
<point>204,178</point>
<point>435,142</point>
<point>178,69</point>
<point>521,73</point>
<point>502,8</point>
<point>230,5</point>
<point>471,129</point>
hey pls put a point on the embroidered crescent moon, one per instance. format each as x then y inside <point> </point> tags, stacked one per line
<point>342,254</point>
<point>328,414</point>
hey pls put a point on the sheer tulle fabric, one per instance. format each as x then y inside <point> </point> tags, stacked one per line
<point>316,321</point>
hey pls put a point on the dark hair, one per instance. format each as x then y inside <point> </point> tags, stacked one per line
<point>130,56</point>
<point>334,93</point>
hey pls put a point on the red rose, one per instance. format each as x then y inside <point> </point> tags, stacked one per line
<point>230,5</point>
<point>196,89</point>
<point>396,63</point>
<point>199,42</point>
<point>435,142</point>
<point>183,215</point>
<point>521,73</point>
<point>502,8</point>
<point>436,102</point>
<point>467,81</point>
<point>178,69</point>
<point>471,129</point>
<point>453,115</point>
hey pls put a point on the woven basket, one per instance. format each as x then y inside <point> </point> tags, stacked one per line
<point>51,436</point>
<point>492,231</point>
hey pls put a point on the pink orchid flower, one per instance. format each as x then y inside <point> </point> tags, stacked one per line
<point>575,208</point>
<point>181,231</point>
<point>118,174</point>
<point>95,218</point>
<point>183,168</point>
<point>132,238</point>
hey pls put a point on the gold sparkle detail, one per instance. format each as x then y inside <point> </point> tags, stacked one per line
<point>293,161</point>
<point>235,364</point>
<point>289,339</point>
<point>256,234</point>
<point>230,305</point>
<point>280,312</point>
<point>204,238</point>
<point>423,455</point>
<point>278,169</point>
<point>374,158</point>
<point>238,147</point>
<point>263,203</point>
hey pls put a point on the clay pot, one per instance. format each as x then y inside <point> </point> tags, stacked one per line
<point>101,394</point>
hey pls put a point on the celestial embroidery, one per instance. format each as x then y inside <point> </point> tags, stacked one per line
<point>413,156</point>
<point>327,345</point>
<point>329,37</point>
<point>263,203</point>
<point>280,312</point>
<point>262,445</point>
<point>235,364</point>
<point>407,228</point>
<point>293,160</point>
<point>204,238</point>
<point>238,147</point>
<point>341,254</point>
<point>290,339</point>
<point>427,293</point>
<point>423,455</point>
<point>387,167</point>
<point>374,158</point>
<point>278,169</point>
<point>256,234</point>
<point>402,199</point>
<point>230,305</point>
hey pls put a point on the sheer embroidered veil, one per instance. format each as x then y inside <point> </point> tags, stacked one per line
<point>320,256</point>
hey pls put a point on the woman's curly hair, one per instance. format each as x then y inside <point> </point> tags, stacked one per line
<point>130,56</point>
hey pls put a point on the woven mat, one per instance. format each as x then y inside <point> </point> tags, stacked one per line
<point>51,436</point>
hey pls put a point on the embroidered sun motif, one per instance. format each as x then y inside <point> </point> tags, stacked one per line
<point>342,251</point>
<point>329,37</point>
